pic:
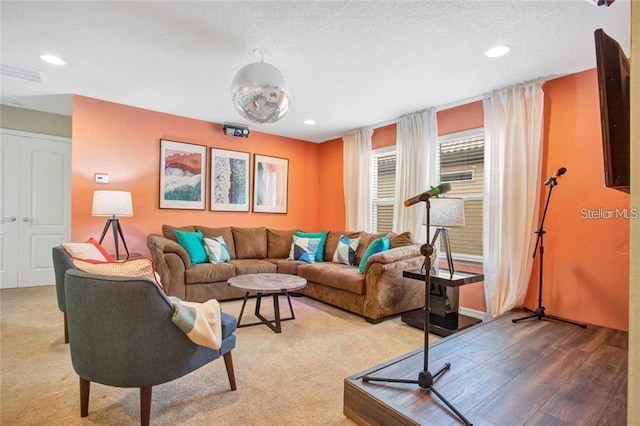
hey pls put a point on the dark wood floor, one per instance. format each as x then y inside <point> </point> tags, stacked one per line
<point>531,373</point>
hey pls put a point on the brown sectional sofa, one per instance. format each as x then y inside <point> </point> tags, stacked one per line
<point>379,292</point>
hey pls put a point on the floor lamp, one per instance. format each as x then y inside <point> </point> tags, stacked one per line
<point>445,213</point>
<point>113,203</point>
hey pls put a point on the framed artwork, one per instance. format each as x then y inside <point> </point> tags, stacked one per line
<point>229,180</point>
<point>270,184</point>
<point>183,169</point>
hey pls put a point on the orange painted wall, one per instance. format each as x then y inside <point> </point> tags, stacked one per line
<point>124,142</point>
<point>384,136</point>
<point>460,118</point>
<point>330,203</point>
<point>586,265</point>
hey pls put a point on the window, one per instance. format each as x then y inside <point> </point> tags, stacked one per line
<point>461,162</point>
<point>461,159</point>
<point>383,178</point>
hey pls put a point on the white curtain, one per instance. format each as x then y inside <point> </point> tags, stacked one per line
<point>416,169</point>
<point>357,179</point>
<point>513,151</point>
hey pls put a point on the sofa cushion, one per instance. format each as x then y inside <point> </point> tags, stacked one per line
<point>251,243</point>
<point>288,266</point>
<point>168,231</point>
<point>225,233</point>
<point>334,275</point>
<point>216,249</point>
<point>323,238</point>
<point>378,245</point>
<point>332,243</point>
<point>253,266</point>
<point>366,239</point>
<point>401,240</point>
<point>346,250</point>
<point>278,243</point>
<point>209,273</point>
<point>304,249</point>
<point>316,272</point>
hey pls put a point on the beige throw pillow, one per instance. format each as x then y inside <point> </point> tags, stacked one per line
<point>84,251</point>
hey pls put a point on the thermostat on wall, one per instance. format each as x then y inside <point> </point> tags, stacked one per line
<point>102,178</point>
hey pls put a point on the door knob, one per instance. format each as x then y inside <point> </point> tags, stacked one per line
<point>27,219</point>
<point>9,219</point>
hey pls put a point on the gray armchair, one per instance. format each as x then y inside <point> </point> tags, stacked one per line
<point>61,262</point>
<point>122,335</point>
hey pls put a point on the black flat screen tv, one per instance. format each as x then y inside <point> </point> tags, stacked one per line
<point>613,83</point>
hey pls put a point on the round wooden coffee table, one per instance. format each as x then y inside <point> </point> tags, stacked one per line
<point>271,285</point>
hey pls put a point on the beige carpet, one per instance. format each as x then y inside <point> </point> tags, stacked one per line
<point>293,378</point>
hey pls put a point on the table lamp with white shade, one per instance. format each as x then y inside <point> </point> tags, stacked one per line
<point>446,212</point>
<point>113,204</point>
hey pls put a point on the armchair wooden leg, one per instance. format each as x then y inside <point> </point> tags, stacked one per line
<point>228,363</point>
<point>66,328</point>
<point>85,385</point>
<point>145,405</point>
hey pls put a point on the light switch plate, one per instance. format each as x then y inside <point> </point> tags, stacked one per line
<point>102,178</point>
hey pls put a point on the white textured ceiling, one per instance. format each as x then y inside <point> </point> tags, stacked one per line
<point>348,64</point>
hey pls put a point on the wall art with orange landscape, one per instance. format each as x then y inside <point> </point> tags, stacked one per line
<point>182,175</point>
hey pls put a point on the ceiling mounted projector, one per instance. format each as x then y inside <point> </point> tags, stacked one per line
<point>237,130</point>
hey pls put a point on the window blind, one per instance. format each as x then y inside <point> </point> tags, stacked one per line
<point>462,164</point>
<point>383,170</point>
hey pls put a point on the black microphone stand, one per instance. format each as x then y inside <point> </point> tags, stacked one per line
<point>539,312</point>
<point>425,377</point>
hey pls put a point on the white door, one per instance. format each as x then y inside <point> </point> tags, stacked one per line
<point>36,181</point>
<point>9,212</point>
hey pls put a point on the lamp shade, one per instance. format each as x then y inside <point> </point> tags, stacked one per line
<point>112,203</point>
<point>446,212</point>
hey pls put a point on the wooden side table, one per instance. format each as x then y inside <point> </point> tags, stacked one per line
<point>444,302</point>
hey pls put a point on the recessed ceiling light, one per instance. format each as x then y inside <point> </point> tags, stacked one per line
<point>52,59</point>
<point>309,122</point>
<point>497,51</point>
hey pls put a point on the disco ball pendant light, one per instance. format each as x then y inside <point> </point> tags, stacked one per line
<point>259,92</point>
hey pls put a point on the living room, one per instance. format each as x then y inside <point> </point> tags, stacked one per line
<point>588,277</point>
<point>132,156</point>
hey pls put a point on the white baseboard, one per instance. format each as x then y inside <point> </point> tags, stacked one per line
<point>473,313</point>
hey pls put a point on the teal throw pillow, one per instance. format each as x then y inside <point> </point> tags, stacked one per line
<point>217,250</point>
<point>376,246</point>
<point>323,239</point>
<point>304,249</point>
<point>346,250</point>
<point>193,243</point>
